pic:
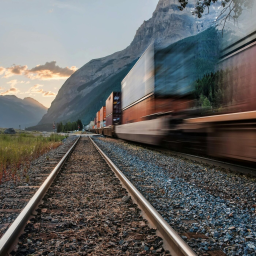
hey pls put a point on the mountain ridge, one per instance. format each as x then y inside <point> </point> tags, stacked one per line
<point>16,111</point>
<point>79,96</point>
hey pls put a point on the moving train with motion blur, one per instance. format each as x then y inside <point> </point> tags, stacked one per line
<point>196,96</point>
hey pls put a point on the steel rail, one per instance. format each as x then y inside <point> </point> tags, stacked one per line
<point>175,244</point>
<point>9,239</point>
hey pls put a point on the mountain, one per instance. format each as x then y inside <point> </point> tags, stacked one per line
<point>86,91</point>
<point>15,111</point>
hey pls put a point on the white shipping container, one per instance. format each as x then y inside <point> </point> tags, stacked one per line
<point>102,124</point>
<point>91,125</point>
<point>139,82</point>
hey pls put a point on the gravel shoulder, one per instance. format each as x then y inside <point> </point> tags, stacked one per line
<point>87,212</point>
<point>214,211</point>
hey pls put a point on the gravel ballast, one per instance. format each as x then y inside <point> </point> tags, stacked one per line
<point>87,212</point>
<point>214,211</point>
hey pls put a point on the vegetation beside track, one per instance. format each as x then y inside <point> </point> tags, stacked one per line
<point>17,152</point>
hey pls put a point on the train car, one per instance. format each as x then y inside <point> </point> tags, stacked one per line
<point>103,117</point>
<point>161,84</point>
<point>192,97</point>
<point>113,113</point>
<point>231,133</point>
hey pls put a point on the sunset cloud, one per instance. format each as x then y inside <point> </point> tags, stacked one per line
<point>36,89</point>
<point>12,82</point>
<point>15,70</point>
<point>49,94</point>
<point>12,90</point>
<point>48,71</point>
<point>2,70</point>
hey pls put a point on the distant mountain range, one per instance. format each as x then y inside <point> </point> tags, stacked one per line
<point>15,111</point>
<point>86,91</point>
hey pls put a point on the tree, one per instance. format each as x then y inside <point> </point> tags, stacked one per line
<point>60,127</point>
<point>231,8</point>
<point>79,123</point>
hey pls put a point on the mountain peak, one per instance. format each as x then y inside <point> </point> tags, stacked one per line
<point>17,112</point>
<point>34,102</point>
<point>11,96</point>
<point>86,91</point>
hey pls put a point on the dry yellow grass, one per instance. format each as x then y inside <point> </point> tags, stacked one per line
<point>17,152</point>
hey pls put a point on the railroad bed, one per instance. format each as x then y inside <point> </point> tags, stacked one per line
<point>87,212</point>
<point>14,197</point>
<point>214,211</point>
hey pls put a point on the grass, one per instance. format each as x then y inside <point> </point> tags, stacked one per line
<point>17,151</point>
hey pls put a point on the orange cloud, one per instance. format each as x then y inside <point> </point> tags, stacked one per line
<point>36,89</point>
<point>12,90</point>
<point>48,71</point>
<point>49,94</point>
<point>15,70</point>
<point>2,70</point>
<point>12,82</point>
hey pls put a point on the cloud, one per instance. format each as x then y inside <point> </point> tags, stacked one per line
<point>49,94</point>
<point>51,10</point>
<point>15,70</point>
<point>36,89</point>
<point>12,90</point>
<point>12,82</point>
<point>2,70</point>
<point>48,71</point>
<point>1,88</point>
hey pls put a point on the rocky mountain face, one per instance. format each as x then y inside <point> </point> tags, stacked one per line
<point>15,111</point>
<point>83,94</point>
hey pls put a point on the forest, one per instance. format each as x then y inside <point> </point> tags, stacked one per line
<point>70,126</point>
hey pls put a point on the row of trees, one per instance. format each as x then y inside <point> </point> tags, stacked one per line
<point>214,90</point>
<point>70,126</point>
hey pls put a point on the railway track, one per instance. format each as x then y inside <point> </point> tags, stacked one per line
<point>15,196</point>
<point>24,206</point>
<point>86,211</point>
<point>213,210</point>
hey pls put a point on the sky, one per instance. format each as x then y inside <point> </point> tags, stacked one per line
<point>43,42</point>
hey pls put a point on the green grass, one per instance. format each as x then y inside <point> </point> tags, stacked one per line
<point>17,151</point>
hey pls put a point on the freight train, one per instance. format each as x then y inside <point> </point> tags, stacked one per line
<point>195,96</point>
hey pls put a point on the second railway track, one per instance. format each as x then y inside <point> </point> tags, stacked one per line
<point>86,211</point>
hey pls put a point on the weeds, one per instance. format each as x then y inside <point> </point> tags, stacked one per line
<point>17,152</point>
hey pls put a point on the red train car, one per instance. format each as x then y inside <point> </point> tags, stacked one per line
<point>113,109</point>
<point>98,119</point>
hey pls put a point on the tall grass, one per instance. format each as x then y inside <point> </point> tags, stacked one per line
<point>17,152</point>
